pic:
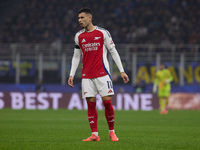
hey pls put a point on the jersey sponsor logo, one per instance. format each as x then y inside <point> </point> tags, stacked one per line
<point>83,41</point>
<point>91,46</point>
<point>96,38</point>
<point>110,91</point>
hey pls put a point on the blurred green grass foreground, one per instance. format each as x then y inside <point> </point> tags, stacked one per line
<point>64,129</point>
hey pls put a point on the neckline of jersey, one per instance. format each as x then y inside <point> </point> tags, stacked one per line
<point>92,30</point>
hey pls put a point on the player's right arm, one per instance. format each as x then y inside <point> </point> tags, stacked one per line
<point>75,62</point>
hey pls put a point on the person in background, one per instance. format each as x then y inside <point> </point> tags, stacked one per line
<point>40,87</point>
<point>139,86</point>
<point>162,82</point>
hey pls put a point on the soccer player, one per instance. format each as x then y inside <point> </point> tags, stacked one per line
<point>94,42</point>
<point>162,81</point>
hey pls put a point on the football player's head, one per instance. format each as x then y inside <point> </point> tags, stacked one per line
<point>85,17</point>
<point>162,66</point>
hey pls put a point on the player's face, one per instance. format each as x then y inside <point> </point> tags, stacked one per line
<point>162,66</point>
<point>84,19</point>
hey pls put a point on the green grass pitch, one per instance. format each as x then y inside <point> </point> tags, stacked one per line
<point>64,130</point>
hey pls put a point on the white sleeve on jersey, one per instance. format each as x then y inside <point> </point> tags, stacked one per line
<point>76,57</point>
<point>108,40</point>
<point>75,61</point>
<point>111,47</point>
<point>116,58</point>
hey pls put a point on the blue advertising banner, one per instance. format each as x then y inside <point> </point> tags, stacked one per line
<point>4,68</point>
<point>27,68</point>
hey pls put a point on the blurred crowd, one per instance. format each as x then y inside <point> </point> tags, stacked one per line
<point>128,21</point>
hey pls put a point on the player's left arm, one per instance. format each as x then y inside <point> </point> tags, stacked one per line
<point>155,85</point>
<point>111,47</point>
<point>118,62</point>
<point>124,77</point>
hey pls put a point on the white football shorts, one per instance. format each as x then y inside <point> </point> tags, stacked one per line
<point>102,85</point>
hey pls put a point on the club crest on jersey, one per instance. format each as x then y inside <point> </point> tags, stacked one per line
<point>83,41</point>
<point>96,38</point>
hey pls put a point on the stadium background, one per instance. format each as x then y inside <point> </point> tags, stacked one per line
<point>36,44</point>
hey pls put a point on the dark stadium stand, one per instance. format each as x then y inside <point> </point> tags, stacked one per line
<point>44,30</point>
<point>129,21</point>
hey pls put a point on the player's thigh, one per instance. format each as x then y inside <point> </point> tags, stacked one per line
<point>88,88</point>
<point>164,93</point>
<point>104,86</point>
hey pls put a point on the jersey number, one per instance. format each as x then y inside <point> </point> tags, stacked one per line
<point>109,84</point>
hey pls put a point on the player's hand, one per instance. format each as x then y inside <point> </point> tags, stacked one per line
<point>70,81</point>
<point>154,89</point>
<point>124,77</point>
<point>167,81</point>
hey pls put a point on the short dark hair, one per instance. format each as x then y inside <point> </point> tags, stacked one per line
<point>85,10</point>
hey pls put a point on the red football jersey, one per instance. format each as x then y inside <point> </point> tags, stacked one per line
<point>94,46</point>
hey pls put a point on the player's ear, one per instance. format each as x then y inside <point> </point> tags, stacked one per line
<point>90,17</point>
